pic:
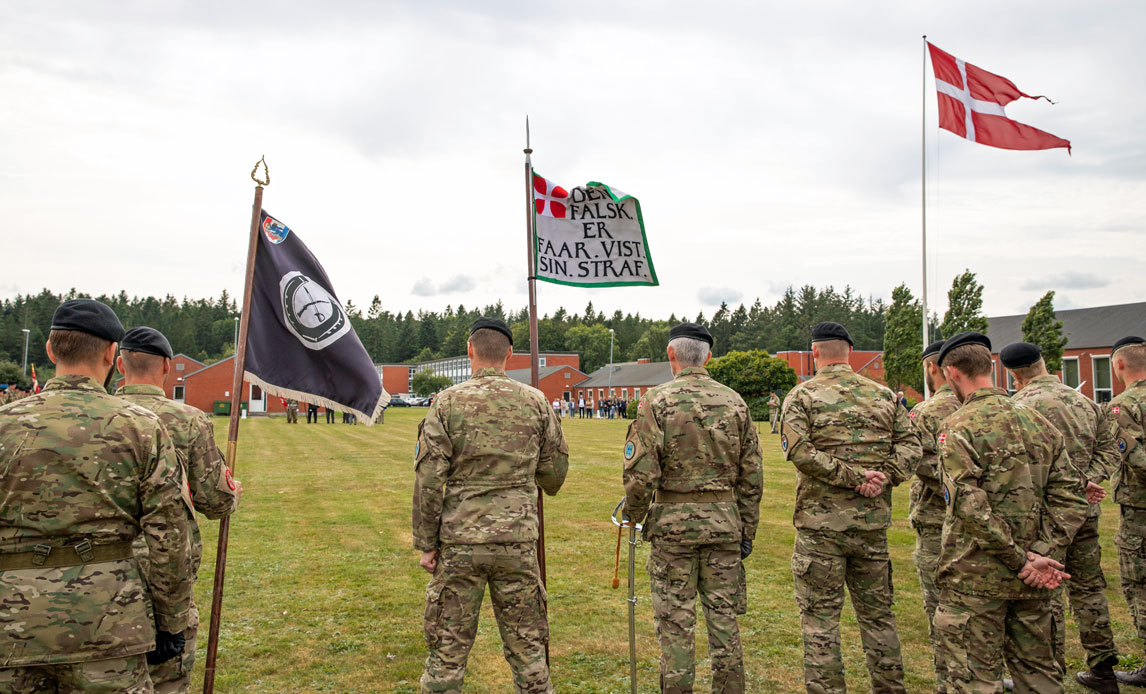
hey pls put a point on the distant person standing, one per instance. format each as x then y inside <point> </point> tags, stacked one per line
<point>902,399</point>
<point>145,360</point>
<point>329,415</point>
<point>311,413</point>
<point>581,407</point>
<point>292,411</point>
<point>692,474</point>
<point>850,442</point>
<point>557,407</point>
<point>774,411</point>
<point>483,450</point>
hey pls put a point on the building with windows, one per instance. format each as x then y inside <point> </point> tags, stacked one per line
<point>396,378</point>
<point>628,381</point>
<point>174,386</point>
<point>555,381</point>
<point>1090,334</point>
<point>213,383</point>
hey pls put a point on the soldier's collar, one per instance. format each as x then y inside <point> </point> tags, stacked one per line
<point>1135,384</point>
<point>985,392</point>
<point>74,382</point>
<point>489,371</point>
<point>944,387</point>
<point>691,370</point>
<point>1044,379</point>
<point>140,389</point>
<point>842,366</point>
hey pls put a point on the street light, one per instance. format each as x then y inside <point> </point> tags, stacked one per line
<point>26,334</point>
<point>610,362</point>
<point>236,342</point>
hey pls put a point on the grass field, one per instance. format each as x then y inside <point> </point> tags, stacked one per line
<point>324,592</point>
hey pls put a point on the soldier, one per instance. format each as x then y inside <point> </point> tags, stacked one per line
<point>1127,415</point>
<point>85,473</point>
<point>850,442</point>
<point>145,360</point>
<point>1014,500</point>
<point>1090,446</point>
<point>774,411</point>
<point>490,442</point>
<point>292,411</point>
<point>927,506</point>
<point>694,445</point>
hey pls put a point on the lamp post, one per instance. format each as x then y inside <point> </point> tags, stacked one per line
<point>26,334</point>
<point>236,342</point>
<point>610,363</point>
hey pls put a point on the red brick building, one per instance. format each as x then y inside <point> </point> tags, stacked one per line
<point>867,363</point>
<point>1090,333</point>
<point>555,381</point>
<point>396,378</point>
<point>173,386</point>
<point>212,383</point>
<point>628,381</point>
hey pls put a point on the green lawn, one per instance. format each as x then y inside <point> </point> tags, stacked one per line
<point>324,592</point>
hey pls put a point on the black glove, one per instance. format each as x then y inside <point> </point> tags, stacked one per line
<point>745,548</point>
<point>167,646</point>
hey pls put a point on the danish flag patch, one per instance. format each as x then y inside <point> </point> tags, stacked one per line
<point>1116,409</point>
<point>942,437</point>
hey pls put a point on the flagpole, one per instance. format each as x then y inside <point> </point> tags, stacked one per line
<point>534,360</point>
<point>926,339</point>
<point>233,428</point>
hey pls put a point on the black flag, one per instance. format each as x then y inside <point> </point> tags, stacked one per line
<point>300,344</point>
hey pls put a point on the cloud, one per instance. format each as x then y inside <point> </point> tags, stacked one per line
<point>1066,280</point>
<point>715,295</point>
<point>457,283</point>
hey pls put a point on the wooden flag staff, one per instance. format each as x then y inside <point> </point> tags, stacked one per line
<point>233,427</point>
<point>534,360</point>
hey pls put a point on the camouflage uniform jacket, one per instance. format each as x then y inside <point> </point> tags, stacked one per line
<point>1089,439</point>
<point>1127,416</point>
<point>834,426</point>
<point>483,449</point>
<point>78,464</point>
<point>691,435</point>
<point>1010,487</point>
<point>927,506</point>
<point>212,488</point>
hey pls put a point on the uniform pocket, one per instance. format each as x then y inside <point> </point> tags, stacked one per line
<point>951,629</point>
<point>433,618</point>
<point>543,611</point>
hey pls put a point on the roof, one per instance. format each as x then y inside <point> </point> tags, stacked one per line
<point>629,373</point>
<point>181,354</point>
<point>526,375</point>
<point>209,366</point>
<point>1100,326</point>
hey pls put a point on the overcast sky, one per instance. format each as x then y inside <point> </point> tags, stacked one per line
<point>769,144</point>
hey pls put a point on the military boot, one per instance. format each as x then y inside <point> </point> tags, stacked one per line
<point>1101,677</point>
<point>1136,677</point>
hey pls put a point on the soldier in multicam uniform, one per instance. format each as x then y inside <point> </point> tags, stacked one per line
<point>927,506</point>
<point>1127,416</point>
<point>145,360</point>
<point>774,411</point>
<point>1014,500</point>
<point>490,443</point>
<point>1090,446</point>
<point>850,441</point>
<point>84,473</point>
<point>694,445</point>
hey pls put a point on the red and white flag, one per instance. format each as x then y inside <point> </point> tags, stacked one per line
<point>550,199</point>
<point>971,102</point>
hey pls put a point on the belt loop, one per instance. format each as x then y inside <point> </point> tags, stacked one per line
<point>84,550</point>
<point>41,552</point>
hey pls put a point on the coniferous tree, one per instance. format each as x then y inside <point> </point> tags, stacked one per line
<point>1042,328</point>
<point>964,306</point>
<point>903,341</point>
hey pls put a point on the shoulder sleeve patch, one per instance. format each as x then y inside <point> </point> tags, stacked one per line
<point>784,442</point>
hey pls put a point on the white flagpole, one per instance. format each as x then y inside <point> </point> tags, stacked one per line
<point>926,340</point>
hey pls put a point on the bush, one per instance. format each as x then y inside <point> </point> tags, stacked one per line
<point>631,410</point>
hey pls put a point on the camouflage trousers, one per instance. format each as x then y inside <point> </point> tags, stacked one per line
<point>453,603</point>
<point>927,543</point>
<point>678,573</point>
<point>979,633</point>
<point>823,562</point>
<point>126,675</point>
<point>174,676</point>
<point>1086,590</point>
<point>1132,563</point>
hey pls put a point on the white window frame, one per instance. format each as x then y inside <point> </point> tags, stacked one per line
<point>541,362</point>
<point>624,393</point>
<point>1077,368</point>
<point>1010,379</point>
<point>179,392</point>
<point>1094,377</point>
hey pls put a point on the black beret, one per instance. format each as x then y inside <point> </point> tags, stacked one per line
<point>492,324</point>
<point>88,316</point>
<point>695,331</point>
<point>932,348</point>
<point>967,338</point>
<point>831,331</point>
<point>1126,342</point>
<point>1019,354</point>
<point>146,340</point>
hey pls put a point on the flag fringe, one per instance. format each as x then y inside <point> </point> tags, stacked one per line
<point>313,399</point>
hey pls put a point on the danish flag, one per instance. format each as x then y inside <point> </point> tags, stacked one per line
<point>549,199</point>
<point>971,102</point>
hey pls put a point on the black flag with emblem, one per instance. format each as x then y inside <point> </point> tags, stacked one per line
<point>300,343</point>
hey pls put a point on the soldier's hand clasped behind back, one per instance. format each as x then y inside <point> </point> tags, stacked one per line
<point>167,646</point>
